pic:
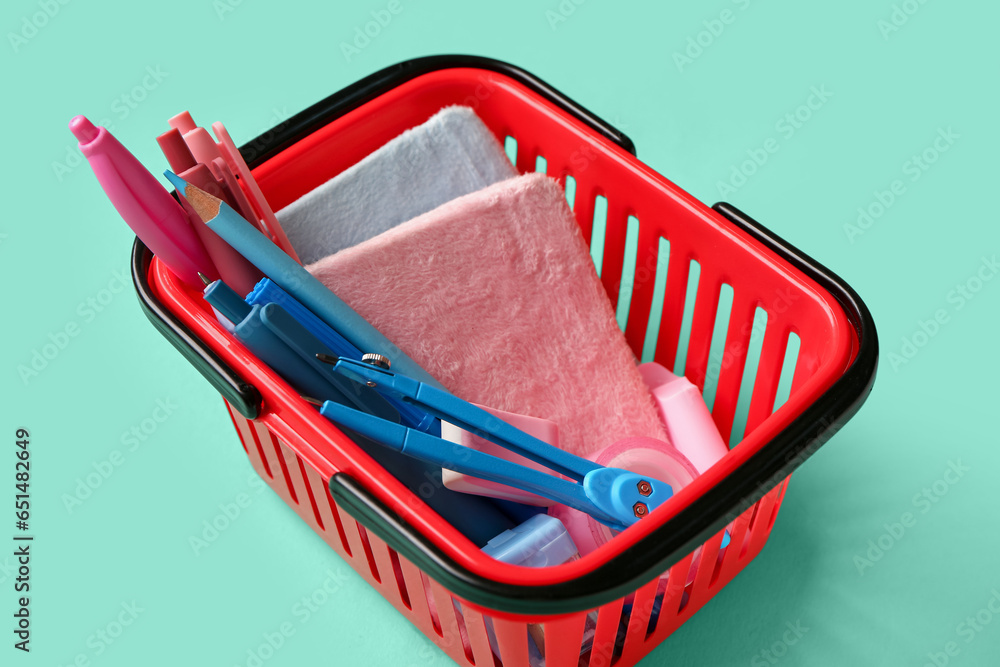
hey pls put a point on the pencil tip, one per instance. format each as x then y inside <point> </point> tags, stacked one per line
<point>328,358</point>
<point>179,183</point>
<point>314,401</point>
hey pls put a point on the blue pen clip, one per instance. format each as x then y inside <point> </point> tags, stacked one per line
<point>615,497</point>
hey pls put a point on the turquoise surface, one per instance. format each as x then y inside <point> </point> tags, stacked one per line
<point>872,138</point>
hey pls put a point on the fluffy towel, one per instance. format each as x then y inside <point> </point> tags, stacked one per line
<point>450,155</point>
<point>496,296</point>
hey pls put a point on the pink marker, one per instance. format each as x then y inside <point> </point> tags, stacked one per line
<point>143,203</point>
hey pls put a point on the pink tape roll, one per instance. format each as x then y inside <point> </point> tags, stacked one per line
<point>646,456</point>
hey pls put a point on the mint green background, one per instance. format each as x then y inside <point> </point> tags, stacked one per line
<point>128,542</point>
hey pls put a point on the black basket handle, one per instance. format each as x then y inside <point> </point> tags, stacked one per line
<point>241,394</point>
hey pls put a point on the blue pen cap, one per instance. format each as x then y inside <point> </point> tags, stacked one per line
<point>541,541</point>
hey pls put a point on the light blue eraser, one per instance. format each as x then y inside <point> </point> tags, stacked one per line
<point>541,541</point>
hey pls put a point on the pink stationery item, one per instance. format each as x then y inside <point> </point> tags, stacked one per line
<point>182,122</point>
<point>543,429</point>
<point>176,151</point>
<point>646,456</point>
<point>688,421</point>
<point>225,162</point>
<point>265,216</point>
<point>202,145</point>
<point>144,203</point>
<point>495,295</point>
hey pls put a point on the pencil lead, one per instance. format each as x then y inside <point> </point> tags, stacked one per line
<point>328,358</point>
<point>314,401</point>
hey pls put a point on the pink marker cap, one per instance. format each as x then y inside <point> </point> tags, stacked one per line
<point>202,145</point>
<point>176,151</point>
<point>182,122</point>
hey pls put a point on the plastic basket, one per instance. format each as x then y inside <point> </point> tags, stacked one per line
<point>650,579</point>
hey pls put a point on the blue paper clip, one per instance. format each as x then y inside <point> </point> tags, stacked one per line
<point>615,497</point>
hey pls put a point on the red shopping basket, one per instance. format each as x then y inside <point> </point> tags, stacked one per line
<point>648,580</point>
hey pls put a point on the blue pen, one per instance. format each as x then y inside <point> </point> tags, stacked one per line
<point>268,330</point>
<point>266,292</point>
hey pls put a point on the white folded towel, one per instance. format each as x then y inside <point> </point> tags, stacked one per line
<point>450,155</point>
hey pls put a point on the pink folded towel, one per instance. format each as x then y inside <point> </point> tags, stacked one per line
<point>496,296</point>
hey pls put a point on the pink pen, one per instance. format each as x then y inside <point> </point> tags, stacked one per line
<point>143,203</point>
